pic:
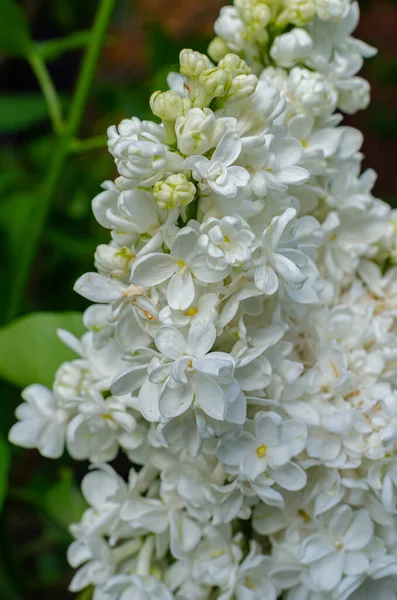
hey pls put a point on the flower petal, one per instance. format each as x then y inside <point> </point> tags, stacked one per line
<point>153,269</point>
<point>98,288</point>
<point>290,476</point>
<point>180,291</point>
<point>359,532</point>
<point>288,270</point>
<point>228,149</point>
<point>175,400</point>
<point>170,342</point>
<point>266,280</point>
<point>201,338</point>
<point>210,397</point>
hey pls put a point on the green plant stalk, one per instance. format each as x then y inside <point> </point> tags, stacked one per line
<point>60,154</point>
<point>51,49</point>
<point>93,143</point>
<point>49,92</point>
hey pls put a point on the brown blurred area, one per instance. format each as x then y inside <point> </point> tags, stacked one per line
<point>127,57</point>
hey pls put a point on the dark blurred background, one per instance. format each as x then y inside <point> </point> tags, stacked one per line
<point>141,47</point>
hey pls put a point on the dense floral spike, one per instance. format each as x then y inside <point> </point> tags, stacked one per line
<point>241,348</point>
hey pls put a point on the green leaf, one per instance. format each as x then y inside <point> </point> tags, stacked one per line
<point>30,351</point>
<point>16,216</point>
<point>14,32</point>
<point>63,502</point>
<point>18,111</point>
<point>4,466</point>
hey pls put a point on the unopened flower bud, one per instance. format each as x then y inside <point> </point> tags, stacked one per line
<point>255,14</point>
<point>332,10</point>
<point>234,65</point>
<point>215,82</point>
<point>217,49</point>
<point>193,63</point>
<point>113,261</point>
<point>174,191</point>
<point>298,12</point>
<point>242,86</point>
<point>169,105</point>
<point>69,378</point>
<point>198,131</point>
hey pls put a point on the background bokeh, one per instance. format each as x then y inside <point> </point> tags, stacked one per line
<point>142,44</point>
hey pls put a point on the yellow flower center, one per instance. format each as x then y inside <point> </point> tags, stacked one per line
<point>261,451</point>
<point>191,311</point>
<point>249,583</point>
<point>303,514</point>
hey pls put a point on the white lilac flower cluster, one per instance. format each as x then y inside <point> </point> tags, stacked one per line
<point>242,345</point>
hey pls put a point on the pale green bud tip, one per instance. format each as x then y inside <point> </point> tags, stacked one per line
<point>193,63</point>
<point>242,86</point>
<point>256,14</point>
<point>215,82</point>
<point>174,191</point>
<point>169,105</point>
<point>298,12</point>
<point>234,65</point>
<point>217,49</point>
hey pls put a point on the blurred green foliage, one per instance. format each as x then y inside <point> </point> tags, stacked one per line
<point>59,94</point>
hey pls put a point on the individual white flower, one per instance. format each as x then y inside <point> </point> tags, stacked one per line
<point>139,587</point>
<point>291,48</point>
<point>251,578</point>
<point>311,93</point>
<point>140,153</point>
<point>193,373</point>
<point>227,240</point>
<point>43,420</point>
<point>215,557</point>
<point>218,172</point>
<point>272,163</point>
<point>339,549</point>
<point>204,307</point>
<point>335,53</point>
<point>255,115</point>
<point>93,559</point>
<point>268,448</point>
<point>184,261</point>
<point>275,260</point>
<point>354,94</point>
<point>315,140</point>
<point>100,426</point>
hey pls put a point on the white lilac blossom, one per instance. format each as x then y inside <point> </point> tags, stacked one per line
<point>241,348</point>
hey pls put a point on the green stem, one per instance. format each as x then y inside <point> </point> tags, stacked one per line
<point>51,49</point>
<point>48,89</point>
<point>61,153</point>
<point>88,68</point>
<point>92,143</point>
